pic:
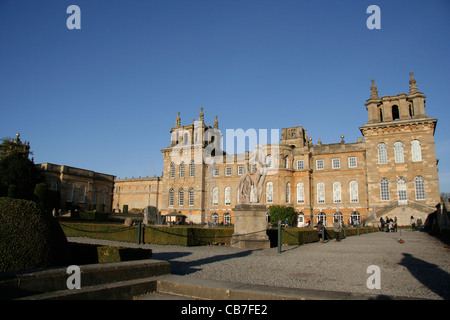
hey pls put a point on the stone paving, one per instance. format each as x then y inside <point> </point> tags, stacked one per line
<point>418,268</point>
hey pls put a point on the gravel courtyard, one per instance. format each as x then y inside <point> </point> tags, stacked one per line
<point>419,267</point>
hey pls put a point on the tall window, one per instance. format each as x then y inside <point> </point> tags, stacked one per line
<point>300,193</point>
<point>288,192</point>
<point>398,151</point>
<point>336,163</point>
<point>286,162</point>
<point>320,193</point>
<point>215,218</point>
<point>227,218</point>
<point>352,162</point>
<point>416,151</point>
<point>382,154</point>
<point>69,197</point>
<point>172,170</point>
<point>269,192</point>
<point>337,192</point>
<point>215,196</point>
<point>384,189</point>
<point>182,170</point>
<point>171,196</point>
<point>82,198</point>
<point>181,197</point>
<point>319,164</point>
<point>192,169</point>
<point>355,218</point>
<point>191,196</point>
<point>228,171</point>
<point>321,216</point>
<point>227,196</point>
<point>354,192</point>
<point>419,184</point>
<point>401,189</point>
<point>300,165</point>
<point>339,216</point>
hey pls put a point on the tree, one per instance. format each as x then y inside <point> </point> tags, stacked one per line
<point>18,174</point>
<point>282,213</point>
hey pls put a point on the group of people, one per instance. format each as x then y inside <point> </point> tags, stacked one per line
<point>337,228</point>
<point>388,225</point>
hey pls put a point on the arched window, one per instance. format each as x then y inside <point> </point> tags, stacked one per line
<point>215,196</point>
<point>171,196</point>
<point>416,151</point>
<point>269,192</point>
<point>300,193</point>
<point>398,151</point>
<point>321,216</point>
<point>215,218</point>
<point>182,170</point>
<point>354,198</point>
<point>181,197</point>
<point>355,218</point>
<point>339,217</point>
<point>320,193</point>
<point>227,218</point>
<point>227,196</point>
<point>337,192</point>
<point>382,154</point>
<point>401,190</point>
<point>192,169</point>
<point>172,170</point>
<point>191,196</point>
<point>419,184</point>
<point>288,192</point>
<point>384,189</point>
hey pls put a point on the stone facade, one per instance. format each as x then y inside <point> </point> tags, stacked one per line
<point>390,171</point>
<point>79,188</point>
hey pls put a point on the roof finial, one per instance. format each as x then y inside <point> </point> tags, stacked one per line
<point>178,120</point>
<point>216,123</point>
<point>373,90</point>
<point>201,115</point>
<point>412,84</point>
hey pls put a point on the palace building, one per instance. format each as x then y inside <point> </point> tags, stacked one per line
<point>390,171</point>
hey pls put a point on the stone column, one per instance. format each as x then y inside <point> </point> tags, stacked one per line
<point>250,227</point>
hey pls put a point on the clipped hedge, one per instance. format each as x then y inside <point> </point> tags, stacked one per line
<point>29,237</point>
<point>83,253</point>
<point>194,236</point>
<point>179,236</point>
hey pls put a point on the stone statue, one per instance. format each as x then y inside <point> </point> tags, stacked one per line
<point>244,187</point>
<point>145,220</point>
<point>259,159</point>
<point>245,183</point>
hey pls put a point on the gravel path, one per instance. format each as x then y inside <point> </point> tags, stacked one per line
<point>419,267</point>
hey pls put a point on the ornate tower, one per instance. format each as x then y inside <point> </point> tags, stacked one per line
<point>400,154</point>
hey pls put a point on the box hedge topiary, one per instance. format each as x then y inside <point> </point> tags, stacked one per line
<point>29,237</point>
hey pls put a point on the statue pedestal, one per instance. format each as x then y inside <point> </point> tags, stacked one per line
<point>250,225</point>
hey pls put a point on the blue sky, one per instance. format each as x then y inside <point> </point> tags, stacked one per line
<point>105,97</point>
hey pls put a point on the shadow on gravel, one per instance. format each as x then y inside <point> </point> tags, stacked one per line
<point>430,275</point>
<point>188,267</point>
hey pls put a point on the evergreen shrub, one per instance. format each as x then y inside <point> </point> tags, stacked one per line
<point>29,237</point>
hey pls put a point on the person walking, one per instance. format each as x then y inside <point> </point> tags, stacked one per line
<point>413,223</point>
<point>337,229</point>
<point>320,231</point>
